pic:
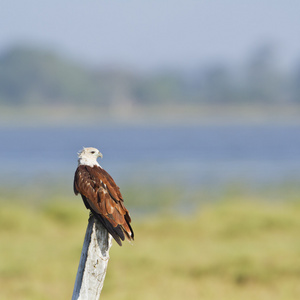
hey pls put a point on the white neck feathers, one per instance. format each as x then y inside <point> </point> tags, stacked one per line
<point>87,162</point>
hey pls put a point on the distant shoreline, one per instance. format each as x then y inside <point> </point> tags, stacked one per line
<point>70,115</point>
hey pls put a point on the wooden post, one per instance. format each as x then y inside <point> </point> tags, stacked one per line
<point>93,262</point>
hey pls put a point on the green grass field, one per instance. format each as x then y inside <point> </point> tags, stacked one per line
<point>240,247</point>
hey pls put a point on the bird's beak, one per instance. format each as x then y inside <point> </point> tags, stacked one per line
<point>100,155</point>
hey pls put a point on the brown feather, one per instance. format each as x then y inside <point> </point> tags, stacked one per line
<point>103,197</point>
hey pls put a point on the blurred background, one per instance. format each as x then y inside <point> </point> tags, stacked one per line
<point>195,106</point>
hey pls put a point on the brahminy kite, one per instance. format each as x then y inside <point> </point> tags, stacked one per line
<point>101,195</point>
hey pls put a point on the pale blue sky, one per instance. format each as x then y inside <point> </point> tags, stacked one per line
<point>151,33</point>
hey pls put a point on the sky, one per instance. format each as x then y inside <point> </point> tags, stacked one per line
<point>148,34</point>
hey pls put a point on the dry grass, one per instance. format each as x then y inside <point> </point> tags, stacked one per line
<point>241,249</point>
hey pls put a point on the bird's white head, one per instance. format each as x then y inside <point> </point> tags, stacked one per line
<point>88,156</point>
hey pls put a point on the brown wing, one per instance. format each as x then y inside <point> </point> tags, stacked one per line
<point>103,197</point>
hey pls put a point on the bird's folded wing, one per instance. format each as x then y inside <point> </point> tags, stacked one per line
<point>103,196</point>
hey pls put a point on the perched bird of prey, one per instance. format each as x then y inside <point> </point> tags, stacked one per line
<point>101,195</point>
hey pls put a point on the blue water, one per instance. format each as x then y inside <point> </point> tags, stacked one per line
<point>191,155</point>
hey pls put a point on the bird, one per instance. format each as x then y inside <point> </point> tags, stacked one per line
<point>101,195</point>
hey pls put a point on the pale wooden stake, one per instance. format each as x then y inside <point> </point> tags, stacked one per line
<point>93,262</point>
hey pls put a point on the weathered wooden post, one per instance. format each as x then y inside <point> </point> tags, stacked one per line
<point>93,262</point>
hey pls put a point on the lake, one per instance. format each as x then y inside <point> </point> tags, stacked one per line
<point>191,155</point>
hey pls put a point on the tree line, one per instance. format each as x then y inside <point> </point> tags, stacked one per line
<point>37,76</point>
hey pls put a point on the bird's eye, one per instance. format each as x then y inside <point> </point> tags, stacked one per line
<point>93,152</point>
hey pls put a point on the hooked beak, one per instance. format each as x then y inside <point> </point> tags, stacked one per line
<point>100,155</point>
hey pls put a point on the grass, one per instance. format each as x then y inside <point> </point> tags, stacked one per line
<point>242,248</point>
